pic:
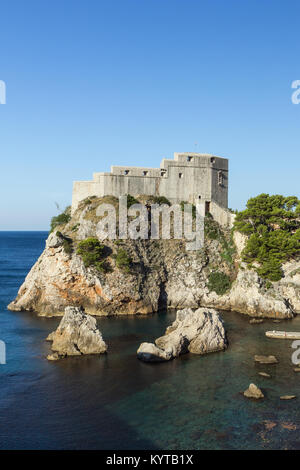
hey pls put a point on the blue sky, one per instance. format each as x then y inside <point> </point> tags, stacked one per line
<point>94,83</point>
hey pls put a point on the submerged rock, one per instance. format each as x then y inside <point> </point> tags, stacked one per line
<point>76,334</point>
<point>264,374</point>
<point>287,397</point>
<point>256,320</point>
<point>253,392</point>
<point>53,357</point>
<point>199,332</point>
<point>266,359</point>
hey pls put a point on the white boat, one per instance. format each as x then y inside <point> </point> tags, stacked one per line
<point>283,334</point>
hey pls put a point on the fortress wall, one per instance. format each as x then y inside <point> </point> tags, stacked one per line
<point>194,182</point>
<point>84,189</point>
<point>220,192</point>
<point>136,171</point>
<point>221,215</point>
<point>134,185</point>
<point>189,177</point>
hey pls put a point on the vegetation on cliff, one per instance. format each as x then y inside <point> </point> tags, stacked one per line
<point>93,253</point>
<point>218,282</point>
<point>61,219</point>
<point>67,243</point>
<point>273,226</point>
<point>123,260</point>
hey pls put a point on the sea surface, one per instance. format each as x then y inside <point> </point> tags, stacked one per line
<point>117,402</point>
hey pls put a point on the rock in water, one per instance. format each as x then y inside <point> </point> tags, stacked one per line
<point>256,321</point>
<point>76,334</point>
<point>264,374</point>
<point>266,359</point>
<point>253,392</point>
<point>148,352</point>
<point>287,397</point>
<point>199,332</point>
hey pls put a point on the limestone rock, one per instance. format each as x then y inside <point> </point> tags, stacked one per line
<point>76,334</point>
<point>253,392</point>
<point>199,332</point>
<point>148,352</point>
<point>266,359</point>
<point>287,397</point>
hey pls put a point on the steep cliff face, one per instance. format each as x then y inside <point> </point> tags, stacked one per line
<point>161,274</point>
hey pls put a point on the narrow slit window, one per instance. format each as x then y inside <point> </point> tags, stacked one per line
<point>180,175</point>
<point>220,178</point>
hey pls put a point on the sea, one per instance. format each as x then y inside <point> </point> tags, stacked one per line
<point>114,401</point>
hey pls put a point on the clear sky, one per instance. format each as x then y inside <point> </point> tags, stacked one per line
<point>92,83</point>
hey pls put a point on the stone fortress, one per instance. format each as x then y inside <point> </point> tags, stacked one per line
<point>191,177</point>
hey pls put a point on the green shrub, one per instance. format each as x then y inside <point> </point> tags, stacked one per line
<point>68,246</point>
<point>218,282</point>
<point>273,226</point>
<point>93,254</point>
<point>75,227</point>
<point>60,219</point>
<point>161,200</point>
<point>67,242</point>
<point>123,260</point>
<point>271,270</point>
<point>131,200</point>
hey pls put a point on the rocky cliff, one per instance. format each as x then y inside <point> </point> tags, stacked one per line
<point>157,274</point>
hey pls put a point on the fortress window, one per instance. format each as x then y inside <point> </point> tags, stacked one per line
<point>163,173</point>
<point>220,178</point>
<point>212,160</point>
<point>145,173</point>
<point>126,172</point>
<point>180,175</point>
<point>189,159</point>
<point>207,207</point>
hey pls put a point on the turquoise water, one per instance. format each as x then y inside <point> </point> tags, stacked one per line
<point>117,402</point>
